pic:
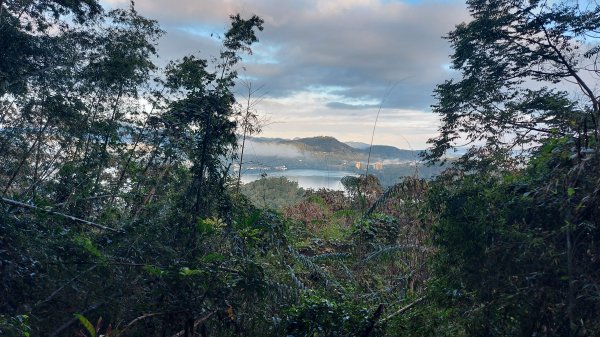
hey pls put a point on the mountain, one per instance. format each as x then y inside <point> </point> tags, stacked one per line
<point>358,145</point>
<point>325,144</point>
<point>329,146</point>
<point>392,152</point>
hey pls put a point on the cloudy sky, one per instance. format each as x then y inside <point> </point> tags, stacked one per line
<point>325,66</point>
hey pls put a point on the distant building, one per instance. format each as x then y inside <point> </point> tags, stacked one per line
<point>358,165</point>
<point>378,166</point>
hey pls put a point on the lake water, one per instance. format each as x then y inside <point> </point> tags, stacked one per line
<point>306,178</point>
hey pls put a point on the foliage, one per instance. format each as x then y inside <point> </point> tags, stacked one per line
<point>16,326</point>
<point>127,209</point>
<point>378,265</point>
<point>319,316</point>
<point>515,60</point>
<point>117,209</point>
<point>516,252</point>
<point>334,200</point>
<point>311,214</point>
<point>516,222</point>
<point>273,192</point>
<point>363,190</point>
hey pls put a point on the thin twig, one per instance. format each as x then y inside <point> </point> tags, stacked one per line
<point>144,316</point>
<point>375,125</point>
<point>73,320</point>
<point>405,308</point>
<point>197,322</point>
<point>70,217</point>
<point>373,321</point>
<point>55,292</point>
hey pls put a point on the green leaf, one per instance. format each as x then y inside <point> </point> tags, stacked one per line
<point>89,247</point>
<point>213,257</point>
<point>210,226</point>
<point>205,226</point>
<point>185,271</point>
<point>88,326</point>
<point>570,192</point>
<point>154,270</point>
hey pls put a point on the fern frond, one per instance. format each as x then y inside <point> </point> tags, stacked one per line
<point>296,280</point>
<point>284,290</point>
<point>393,248</point>
<point>308,264</point>
<point>329,256</point>
<point>402,188</point>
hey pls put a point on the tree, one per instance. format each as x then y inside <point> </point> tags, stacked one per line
<point>513,232</point>
<point>78,149</point>
<point>516,60</point>
<point>29,37</point>
<point>205,112</point>
<point>363,190</point>
<point>249,124</point>
<point>515,257</point>
<point>69,72</point>
<point>273,192</point>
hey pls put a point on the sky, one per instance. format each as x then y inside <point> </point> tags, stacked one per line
<point>327,67</point>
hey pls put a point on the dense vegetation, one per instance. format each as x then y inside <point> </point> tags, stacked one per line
<point>120,217</point>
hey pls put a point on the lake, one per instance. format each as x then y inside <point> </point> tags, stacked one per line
<point>306,178</point>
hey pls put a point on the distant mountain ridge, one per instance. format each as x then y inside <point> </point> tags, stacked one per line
<point>358,145</point>
<point>321,145</point>
<point>325,144</point>
<point>387,151</point>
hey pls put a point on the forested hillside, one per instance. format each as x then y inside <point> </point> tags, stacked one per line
<point>120,214</point>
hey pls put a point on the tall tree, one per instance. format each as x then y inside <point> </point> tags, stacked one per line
<point>517,61</point>
<point>205,110</point>
<point>29,33</point>
<point>513,240</point>
<point>249,124</point>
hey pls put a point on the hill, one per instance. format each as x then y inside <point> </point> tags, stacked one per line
<point>391,152</point>
<point>358,145</point>
<point>326,145</point>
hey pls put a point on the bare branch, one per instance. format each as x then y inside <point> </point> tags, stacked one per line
<point>405,308</point>
<point>70,217</point>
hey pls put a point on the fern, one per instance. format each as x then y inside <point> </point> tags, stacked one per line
<point>393,248</point>
<point>281,290</point>
<point>402,188</point>
<point>329,256</point>
<point>390,193</point>
<point>308,264</point>
<point>296,280</point>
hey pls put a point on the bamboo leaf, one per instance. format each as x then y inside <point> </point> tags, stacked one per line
<point>88,326</point>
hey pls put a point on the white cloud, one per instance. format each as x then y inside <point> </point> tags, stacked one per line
<point>326,64</point>
<point>306,114</point>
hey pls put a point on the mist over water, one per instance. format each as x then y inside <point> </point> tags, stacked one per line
<point>273,149</point>
<point>306,178</point>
